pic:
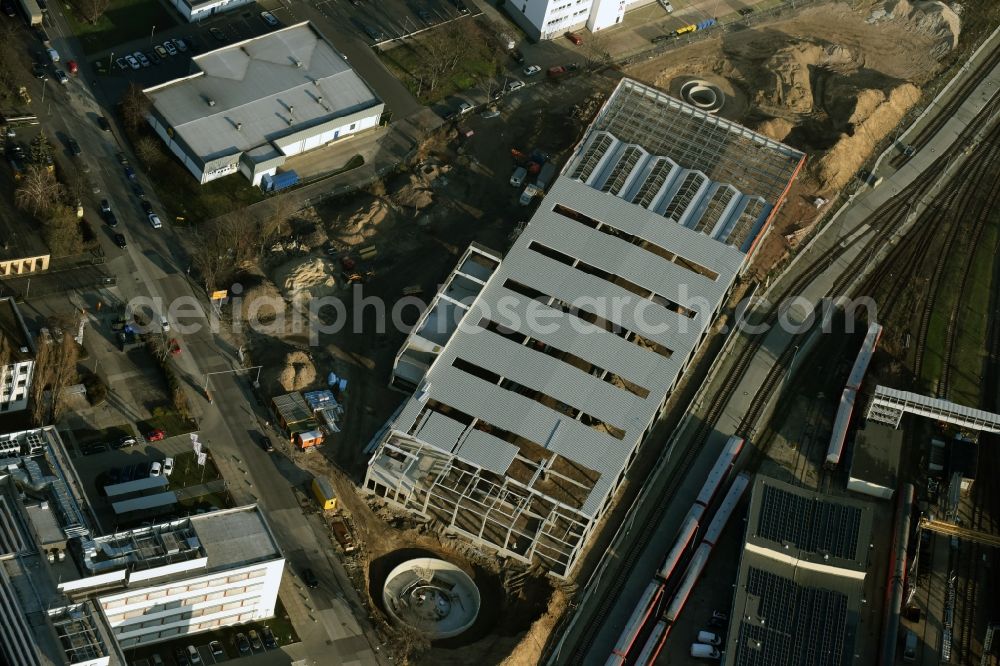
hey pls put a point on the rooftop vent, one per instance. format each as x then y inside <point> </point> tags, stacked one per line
<point>24,350</point>
<point>239,127</point>
<point>288,120</point>
<point>211,102</point>
<point>320,99</point>
<point>298,63</point>
<point>291,110</point>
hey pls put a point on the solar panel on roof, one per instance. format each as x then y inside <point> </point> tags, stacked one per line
<point>814,525</point>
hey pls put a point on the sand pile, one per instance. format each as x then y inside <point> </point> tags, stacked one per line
<point>927,17</point>
<point>843,160</point>
<point>306,279</point>
<point>785,81</point>
<point>299,373</point>
<point>775,128</point>
<point>361,226</point>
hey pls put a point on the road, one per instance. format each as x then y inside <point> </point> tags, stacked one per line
<point>849,224</point>
<point>152,268</point>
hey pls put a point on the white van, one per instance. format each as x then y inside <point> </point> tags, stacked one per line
<point>702,651</point>
<point>709,638</point>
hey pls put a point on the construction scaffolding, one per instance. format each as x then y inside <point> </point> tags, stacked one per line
<point>491,509</point>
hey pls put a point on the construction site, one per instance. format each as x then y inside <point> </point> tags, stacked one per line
<point>833,82</point>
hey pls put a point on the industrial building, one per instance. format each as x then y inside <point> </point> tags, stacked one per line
<point>546,19</point>
<point>538,375</point>
<point>800,588</point>
<point>68,596</point>
<point>17,350</point>
<point>252,105</point>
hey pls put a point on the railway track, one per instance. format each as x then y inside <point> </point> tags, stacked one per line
<point>886,221</point>
<point>970,559</point>
<point>946,112</point>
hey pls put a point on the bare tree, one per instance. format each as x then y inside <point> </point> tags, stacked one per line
<point>92,10</point>
<point>55,369</point>
<point>147,149</point>
<point>135,106</point>
<point>39,190</point>
<point>62,232</point>
<point>275,223</point>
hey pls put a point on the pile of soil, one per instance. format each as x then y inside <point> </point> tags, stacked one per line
<point>299,372</point>
<point>304,279</point>
<point>927,17</point>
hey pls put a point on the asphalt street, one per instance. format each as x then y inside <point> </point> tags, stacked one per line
<point>153,266</point>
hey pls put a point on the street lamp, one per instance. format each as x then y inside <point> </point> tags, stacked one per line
<point>45,80</point>
<point>151,35</point>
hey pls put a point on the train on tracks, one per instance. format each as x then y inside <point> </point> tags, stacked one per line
<point>656,590</point>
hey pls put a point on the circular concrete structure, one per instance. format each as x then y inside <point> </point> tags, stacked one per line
<point>706,96</point>
<point>431,596</point>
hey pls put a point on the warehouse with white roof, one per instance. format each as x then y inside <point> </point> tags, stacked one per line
<point>252,105</point>
<point>537,376</point>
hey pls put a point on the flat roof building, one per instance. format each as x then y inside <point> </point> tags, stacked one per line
<point>799,591</point>
<point>537,376</point>
<point>875,461</point>
<point>197,10</point>
<point>251,105</point>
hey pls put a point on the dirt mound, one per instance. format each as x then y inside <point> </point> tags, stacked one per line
<point>362,225</point>
<point>299,373</point>
<point>775,128</point>
<point>304,279</point>
<point>927,17</point>
<point>262,302</point>
<point>840,163</point>
<point>785,83</point>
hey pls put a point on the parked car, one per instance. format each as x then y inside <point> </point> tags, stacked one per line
<point>129,172</point>
<point>309,578</point>
<point>147,207</point>
<point>120,241</point>
<point>156,469</point>
<point>556,71</point>
<point>464,108</point>
<point>266,444</point>
<point>103,123</point>
<point>154,221</point>
<point>216,648</point>
<point>181,46</point>
<point>53,55</point>
<point>168,466</point>
<point>154,57</point>
<point>155,435</point>
<point>72,67</point>
<point>168,48</point>
<point>74,147</point>
<point>374,33</point>
<point>531,70</point>
<point>718,620</point>
<point>193,656</point>
<point>132,62</point>
<point>141,57</point>
<point>491,113</point>
<point>242,644</point>
<point>269,642</point>
<point>111,219</point>
<point>121,64</point>
<point>162,52</point>
<point>61,77</point>
<point>575,38</point>
<point>122,159</point>
<point>181,657</point>
<point>125,442</point>
<point>218,34</point>
<point>39,71</point>
<point>517,56</point>
<point>517,178</point>
<point>269,19</point>
<point>255,641</point>
<point>514,85</point>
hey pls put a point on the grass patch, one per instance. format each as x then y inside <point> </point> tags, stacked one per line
<point>169,421</point>
<point>123,21</point>
<point>187,472</point>
<point>973,320</point>
<point>413,62</point>
<point>104,435</point>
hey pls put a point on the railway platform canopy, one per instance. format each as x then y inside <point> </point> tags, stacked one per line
<point>532,396</point>
<point>799,591</point>
<point>888,406</point>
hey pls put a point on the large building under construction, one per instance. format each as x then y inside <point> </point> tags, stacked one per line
<point>536,376</point>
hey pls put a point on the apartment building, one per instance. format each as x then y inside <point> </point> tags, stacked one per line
<point>17,358</point>
<point>546,19</point>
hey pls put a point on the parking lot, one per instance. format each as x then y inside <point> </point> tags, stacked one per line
<point>213,647</point>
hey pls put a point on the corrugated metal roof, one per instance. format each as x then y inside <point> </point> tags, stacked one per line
<point>254,84</point>
<point>489,452</point>
<point>438,427</point>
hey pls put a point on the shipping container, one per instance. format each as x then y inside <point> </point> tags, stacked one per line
<point>323,492</point>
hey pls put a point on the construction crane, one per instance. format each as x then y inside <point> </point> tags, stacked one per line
<point>964,533</point>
